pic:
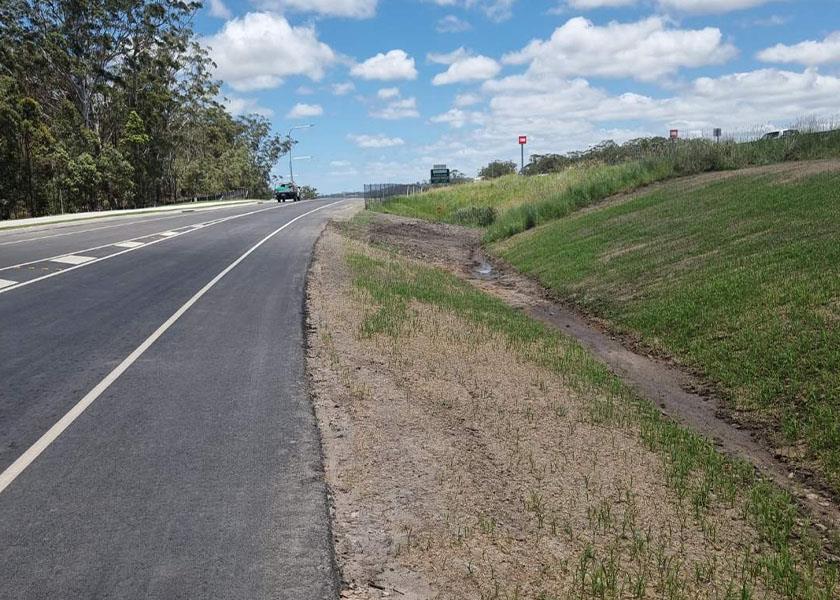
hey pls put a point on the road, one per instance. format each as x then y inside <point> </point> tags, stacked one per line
<point>156,434</point>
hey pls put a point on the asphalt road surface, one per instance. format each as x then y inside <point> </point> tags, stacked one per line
<point>156,434</point>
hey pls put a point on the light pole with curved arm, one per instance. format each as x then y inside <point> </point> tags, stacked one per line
<point>291,145</point>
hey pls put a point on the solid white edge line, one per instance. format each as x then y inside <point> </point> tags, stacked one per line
<point>115,254</point>
<point>26,459</point>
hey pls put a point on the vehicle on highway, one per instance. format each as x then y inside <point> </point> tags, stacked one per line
<point>286,191</point>
<point>773,135</point>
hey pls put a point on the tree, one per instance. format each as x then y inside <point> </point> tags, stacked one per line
<point>308,192</point>
<point>112,104</point>
<point>497,168</point>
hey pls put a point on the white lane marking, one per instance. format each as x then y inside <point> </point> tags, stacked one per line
<point>128,244</point>
<point>6,283</point>
<point>26,459</point>
<point>115,254</point>
<point>44,237</point>
<point>168,233</point>
<point>73,259</point>
<point>181,213</point>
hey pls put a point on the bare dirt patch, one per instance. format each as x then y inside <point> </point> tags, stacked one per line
<point>682,395</point>
<point>460,469</point>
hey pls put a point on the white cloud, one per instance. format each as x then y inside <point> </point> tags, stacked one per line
<point>375,141</point>
<point>388,93</point>
<point>258,50</point>
<point>468,68</point>
<point>589,4</point>
<point>452,24</point>
<point>244,106</point>
<point>300,111</point>
<point>711,6</point>
<point>342,89</point>
<point>395,64</point>
<point>457,117</point>
<point>405,108</point>
<point>561,115</point>
<point>496,10</point>
<point>645,50</point>
<point>357,9</point>
<point>805,53</point>
<point>462,100</point>
<point>686,6</point>
<point>339,163</point>
<point>219,10</point>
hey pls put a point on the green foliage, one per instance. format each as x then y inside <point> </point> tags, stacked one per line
<point>497,168</point>
<point>739,279</point>
<point>308,192</point>
<point>569,182</point>
<point>112,104</point>
<point>700,476</point>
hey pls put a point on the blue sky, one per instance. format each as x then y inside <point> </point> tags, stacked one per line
<point>394,86</point>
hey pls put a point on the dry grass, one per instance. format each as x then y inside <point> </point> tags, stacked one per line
<point>461,468</point>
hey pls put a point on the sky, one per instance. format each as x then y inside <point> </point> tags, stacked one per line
<point>392,87</point>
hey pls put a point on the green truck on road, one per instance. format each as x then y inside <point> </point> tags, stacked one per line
<point>286,191</point>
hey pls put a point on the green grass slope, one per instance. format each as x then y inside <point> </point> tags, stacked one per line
<point>740,279</point>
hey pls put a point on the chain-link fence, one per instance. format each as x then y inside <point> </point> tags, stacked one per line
<point>376,193</point>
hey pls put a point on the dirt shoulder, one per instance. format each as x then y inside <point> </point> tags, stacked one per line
<point>464,463</point>
<point>680,394</point>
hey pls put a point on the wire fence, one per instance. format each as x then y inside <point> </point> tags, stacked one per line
<point>376,193</point>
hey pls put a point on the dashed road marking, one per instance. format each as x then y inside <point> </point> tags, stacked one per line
<point>6,283</point>
<point>72,259</point>
<point>128,244</point>
<point>168,233</point>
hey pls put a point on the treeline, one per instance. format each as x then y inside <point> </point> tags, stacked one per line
<point>110,104</point>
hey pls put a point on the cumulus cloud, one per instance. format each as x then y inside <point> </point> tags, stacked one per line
<point>258,50</point>
<point>809,52</point>
<point>389,66</point>
<point>388,93</point>
<point>686,6</point>
<point>452,24</point>
<point>710,6</point>
<point>464,67</point>
<point>405,108</point>
<point>301,110</point>
<point>342,89</point>
<point>645,50</point>
<point>245,106</point>
<point>356,9</point>
<point>462,100</point>
<point>457,118</point>
<point>496,10</point>
<point>375,141</point>
<point>218,9</point>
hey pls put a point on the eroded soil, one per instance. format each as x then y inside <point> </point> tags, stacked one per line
<point>459,469</point>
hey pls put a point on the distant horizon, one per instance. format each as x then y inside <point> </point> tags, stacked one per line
<point>395,87</point>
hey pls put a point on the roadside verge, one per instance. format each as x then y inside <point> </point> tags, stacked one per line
<point>474,452</point>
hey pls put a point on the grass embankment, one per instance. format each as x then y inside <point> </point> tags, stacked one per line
<point>740,279</point>
<point>512,204</point>
<point>555,492</point>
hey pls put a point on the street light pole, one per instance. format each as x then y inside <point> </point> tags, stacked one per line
<point>291,145</point>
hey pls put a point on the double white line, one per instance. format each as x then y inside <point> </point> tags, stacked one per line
<point>26,459</point>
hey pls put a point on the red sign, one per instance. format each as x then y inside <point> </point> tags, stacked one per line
<point>523,139</point>
<point>675,133</point>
